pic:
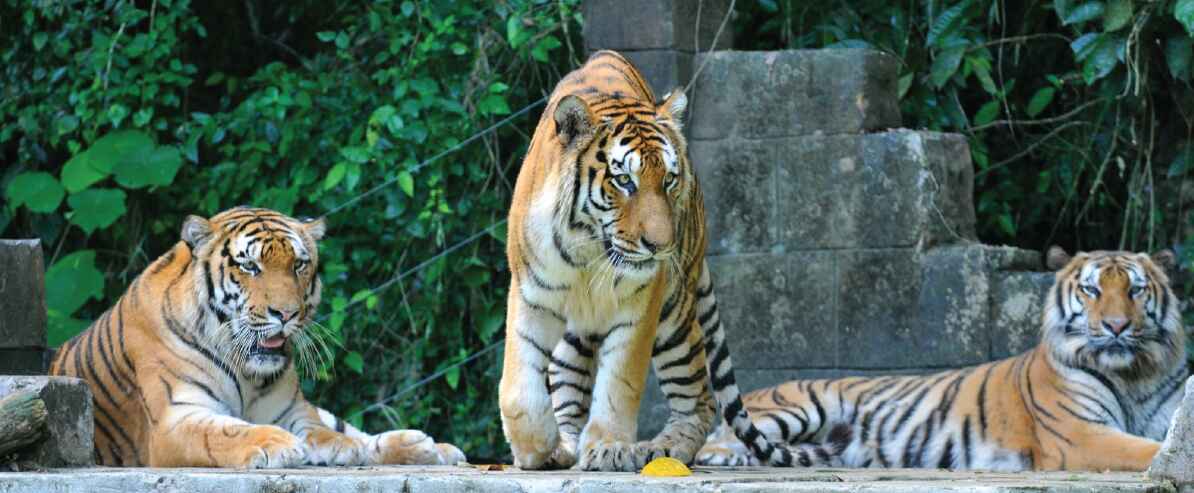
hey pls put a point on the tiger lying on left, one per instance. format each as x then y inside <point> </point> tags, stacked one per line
<point>194,366</point>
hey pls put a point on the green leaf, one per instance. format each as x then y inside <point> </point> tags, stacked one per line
<point>355,362</point>
<point>1183,11</point>
<point>543,47</point>
<point>116,114</point>
<point>982,70</point>
<point>36,190</point>
<point>987,113</point>
<point>452,377</point>
<point>1117,14</point>
<point>355,154</point>
<point>945,65</point>
<point>341,41</point>
<point>1083,13</point>
<point>39,41</point>
<point>1006,225</point>
<point>117,146</point>
<point>66,124</point>
<point>946,24</point>
<point>905,84</point>
<point>1103,58</point>
<point>494,104</point>
<point>71,281</point>
<point>1178,54</point>
<point>408,8</point>
<point>407,183</point>
<point>61,328</point>
<point>515,34</point>
<point>335,175</point>
<point>142,116</point>
<point>1040,101</point>
<point>154,168</point>
<point>459,48</point>
<point>325,36</point>
<point>96,208</point>
<point>1084,45</point>
<point>78,173</point>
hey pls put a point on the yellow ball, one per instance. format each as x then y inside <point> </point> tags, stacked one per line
<point>666,467</point>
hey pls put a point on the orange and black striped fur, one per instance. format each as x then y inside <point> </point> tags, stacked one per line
<point>194,365</point>
<point>1097,393</point>
<point>606,244</point>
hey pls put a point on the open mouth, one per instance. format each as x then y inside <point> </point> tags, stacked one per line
<point>275,344</point>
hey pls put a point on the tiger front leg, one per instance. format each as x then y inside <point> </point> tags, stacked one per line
<point>570,381</point>
<point>528,420</point>
<point>608,440</point>
<point>191,436</point>
<point>331,441</point>
<point>680,366</point>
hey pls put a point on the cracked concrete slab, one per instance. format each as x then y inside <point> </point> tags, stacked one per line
<point>418,479</point>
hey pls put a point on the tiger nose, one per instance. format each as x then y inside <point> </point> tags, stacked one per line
<point>283,315</point>
<point>1115,324</point>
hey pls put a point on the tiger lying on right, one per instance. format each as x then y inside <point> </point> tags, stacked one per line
<point>1097,393</point>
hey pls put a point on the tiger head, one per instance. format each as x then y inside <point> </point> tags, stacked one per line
<point>632,174</point>
<point>257,274</point>
<point>1114,312</point>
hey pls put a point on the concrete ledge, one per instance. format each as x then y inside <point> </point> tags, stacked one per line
<point>452,479</point>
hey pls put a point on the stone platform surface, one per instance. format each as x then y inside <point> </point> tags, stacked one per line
<point>460,479</point>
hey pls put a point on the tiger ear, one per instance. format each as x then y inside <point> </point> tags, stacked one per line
<point>1056,258</point>
<point>196,231</point>
<point>673,105</point>
<point>573,120</point>
<point>315,227</point>
<point>1165,259</point>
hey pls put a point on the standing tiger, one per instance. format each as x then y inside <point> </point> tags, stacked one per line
<point>606,248</point>
<point>194,366</point>
<point>1097,393</point>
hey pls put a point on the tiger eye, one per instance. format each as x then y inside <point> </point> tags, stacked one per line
<point>623,179</point>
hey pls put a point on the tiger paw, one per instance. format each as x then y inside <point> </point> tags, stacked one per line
<point>564,456</point>
<point>271,447</point>
<point>615,456</point>
<point>328,448</point>
<point>535,442</point>
<point>449,455</point>
<point>406,447</point>
<point>719,455</point>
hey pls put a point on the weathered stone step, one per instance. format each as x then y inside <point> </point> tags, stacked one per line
<point>453,479</point>
<point>791,93</point>
<point>892,189</point>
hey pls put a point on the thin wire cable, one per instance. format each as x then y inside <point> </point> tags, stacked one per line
<point>410,388</point>
<point>437,157</point>
<point>422,265</point>
<point>712,46</point>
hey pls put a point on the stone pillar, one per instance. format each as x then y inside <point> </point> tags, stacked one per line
<point>22,308</point>
<point>661,37</point>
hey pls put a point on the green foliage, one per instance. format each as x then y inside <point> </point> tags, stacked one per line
<point>1078,112</point>
<point>118,118</point>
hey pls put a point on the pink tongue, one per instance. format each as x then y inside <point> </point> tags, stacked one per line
<point>273,342</point>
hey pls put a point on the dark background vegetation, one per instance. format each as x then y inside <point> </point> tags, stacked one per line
<point>118,118</point>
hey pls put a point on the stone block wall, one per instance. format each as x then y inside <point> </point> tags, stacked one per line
<point>839,243</point>
<point>661,38</point>
<point>22,308</point>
